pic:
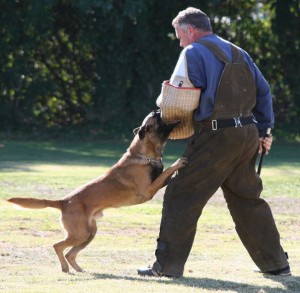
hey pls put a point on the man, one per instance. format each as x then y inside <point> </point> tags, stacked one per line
<point>221,153</point>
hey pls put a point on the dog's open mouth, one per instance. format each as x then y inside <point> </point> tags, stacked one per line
<point>173,123</point>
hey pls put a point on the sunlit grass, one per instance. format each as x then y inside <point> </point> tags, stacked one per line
<point>126,237</point>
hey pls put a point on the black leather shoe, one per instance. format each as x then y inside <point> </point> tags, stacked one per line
<point>149,272</point>
<point>281,272</point>
<point>286,271</point>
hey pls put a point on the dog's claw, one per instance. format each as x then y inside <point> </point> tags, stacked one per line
<point>180,163</point>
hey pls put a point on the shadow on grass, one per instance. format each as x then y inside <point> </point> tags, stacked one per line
<point>291,284</point>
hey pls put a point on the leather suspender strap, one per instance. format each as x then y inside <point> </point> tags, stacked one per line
<point>216,50</point>
<point>237,56</point>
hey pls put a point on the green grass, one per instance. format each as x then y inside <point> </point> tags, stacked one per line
<point>126,237</point>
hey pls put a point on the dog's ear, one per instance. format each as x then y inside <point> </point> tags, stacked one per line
<point>135,131</point>
<point>140,131</point>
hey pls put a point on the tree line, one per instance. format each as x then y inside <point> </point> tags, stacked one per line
<point>98,65</point>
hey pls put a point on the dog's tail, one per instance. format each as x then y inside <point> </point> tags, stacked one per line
<point>34,203</point>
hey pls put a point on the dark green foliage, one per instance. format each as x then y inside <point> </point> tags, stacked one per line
<point>98,65</point>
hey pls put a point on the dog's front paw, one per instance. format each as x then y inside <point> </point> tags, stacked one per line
<point>180,163</point>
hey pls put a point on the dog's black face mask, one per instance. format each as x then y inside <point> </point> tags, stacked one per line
<point>153,122</point>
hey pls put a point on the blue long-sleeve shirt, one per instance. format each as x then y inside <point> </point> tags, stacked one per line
<point>205,69</point>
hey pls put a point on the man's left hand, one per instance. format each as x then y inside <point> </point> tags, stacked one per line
<point>265,143</point>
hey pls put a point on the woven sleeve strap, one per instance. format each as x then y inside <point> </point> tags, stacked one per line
<point>216,50</point>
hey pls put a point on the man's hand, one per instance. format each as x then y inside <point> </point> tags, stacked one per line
<point>265,142</point>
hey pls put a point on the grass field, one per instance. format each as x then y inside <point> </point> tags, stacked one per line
<point>126,237</point>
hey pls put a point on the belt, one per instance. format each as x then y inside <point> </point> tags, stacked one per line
<point>224,123</point>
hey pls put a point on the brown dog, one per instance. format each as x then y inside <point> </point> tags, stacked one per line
<point>133,180</point>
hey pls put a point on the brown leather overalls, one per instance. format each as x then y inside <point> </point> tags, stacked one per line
<point>223,157</point>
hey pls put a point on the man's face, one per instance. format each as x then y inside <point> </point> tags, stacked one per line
<point>184,34</point>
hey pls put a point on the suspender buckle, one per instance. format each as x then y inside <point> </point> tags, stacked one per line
<point>237,122</point>
<point>214,124</point>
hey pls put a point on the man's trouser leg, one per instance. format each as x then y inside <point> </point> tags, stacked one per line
<point>253,218</point>
<point>209,155</point>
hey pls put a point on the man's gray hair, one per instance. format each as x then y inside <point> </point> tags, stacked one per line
<point>194,17</point>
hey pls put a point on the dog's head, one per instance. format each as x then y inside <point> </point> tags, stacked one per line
<point>153,124</point>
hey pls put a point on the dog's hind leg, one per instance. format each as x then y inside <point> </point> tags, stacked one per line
<point>59,248</point>
<point>71,255</point>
